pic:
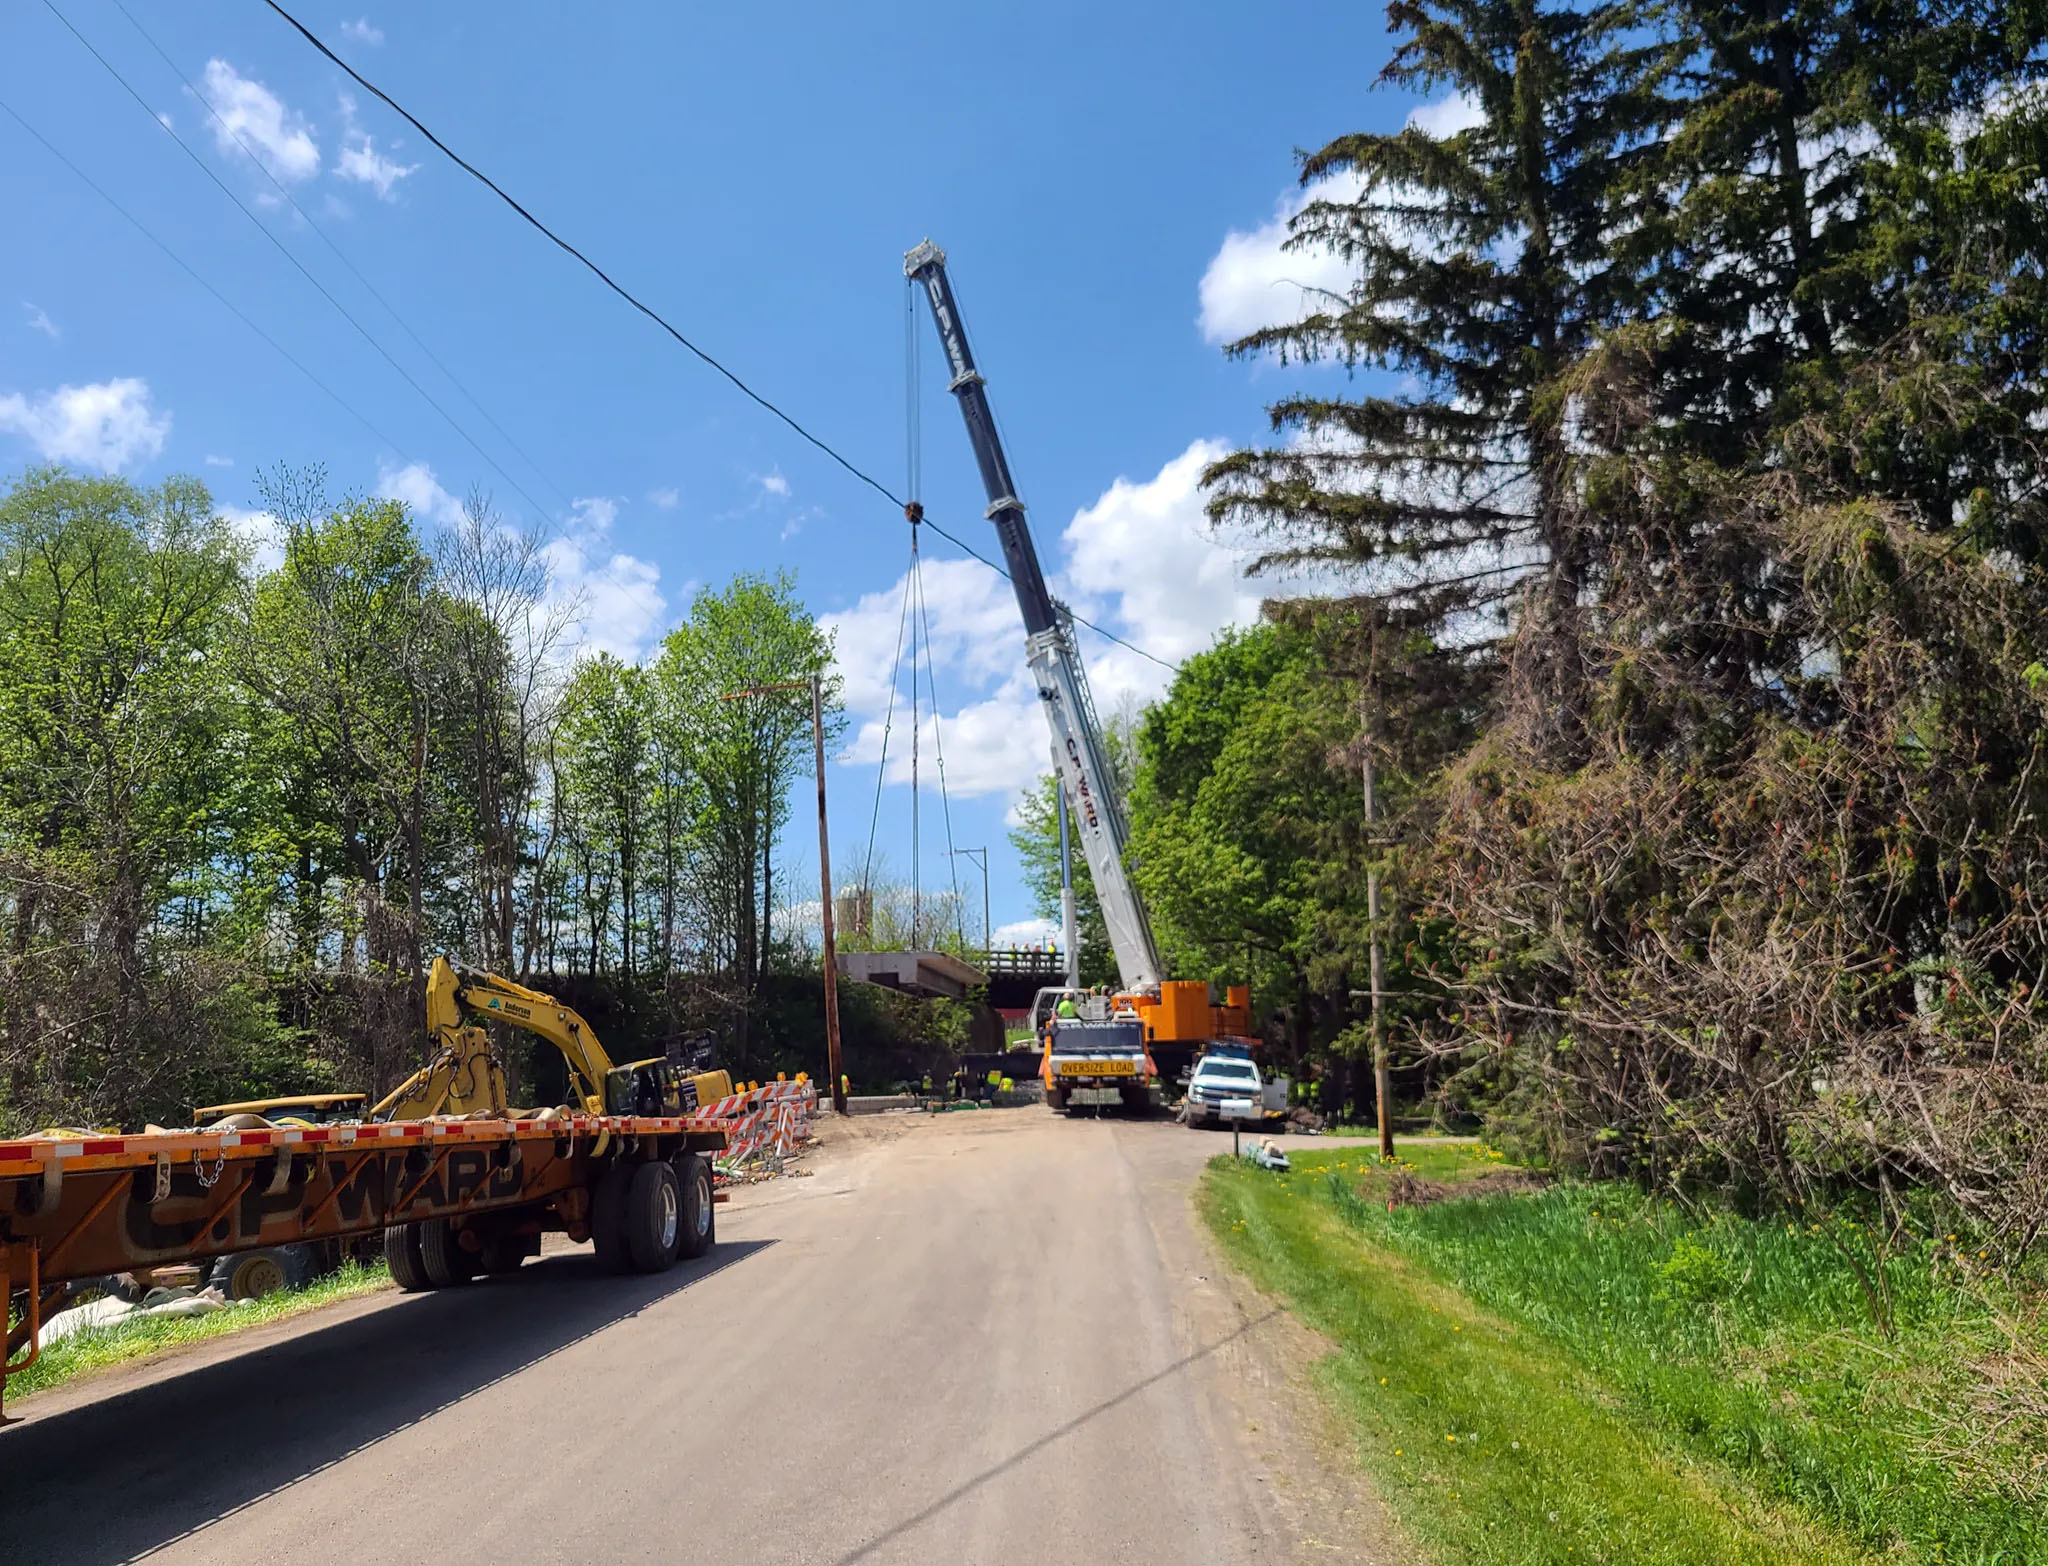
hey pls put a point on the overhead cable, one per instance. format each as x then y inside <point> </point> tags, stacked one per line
<point>654,315</point>
<point>285,251</point>
<point>340,255</point>
<point>184,266</point>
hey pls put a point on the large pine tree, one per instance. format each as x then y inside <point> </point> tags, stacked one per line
<point>1487,262</point>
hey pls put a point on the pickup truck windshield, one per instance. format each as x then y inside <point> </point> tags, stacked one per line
<point>1233,1070</point>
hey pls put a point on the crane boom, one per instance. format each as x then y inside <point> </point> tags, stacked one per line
<point>1080,758</point>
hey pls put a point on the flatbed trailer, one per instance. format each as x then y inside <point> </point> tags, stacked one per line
<point>453,1196</point>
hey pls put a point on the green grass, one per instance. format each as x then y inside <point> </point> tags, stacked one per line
<point>99,1348</point>
<point>1644,1386</point>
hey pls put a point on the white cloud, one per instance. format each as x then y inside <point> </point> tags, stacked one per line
<point>1251,282</point>
<point>1027,932</point>
<point>105,425</point>
<point>619,595</point>
<point>773,483</point>
<point>975,632</point>
<point>38,321</point>
<point>261,531</point>
<point>360,161</point>
<point>219,462</point>
<point>667,499</point>
<point>1142,561</point>
<point>1446,117</point>
<point>253,122</point>
<point>415,485</point>
<point>363,31</point>
<point>1145,559</point>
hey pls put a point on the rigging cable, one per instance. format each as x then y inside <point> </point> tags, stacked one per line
<point>657,318</point>
<point>867,874</point>
<point>939,751</point>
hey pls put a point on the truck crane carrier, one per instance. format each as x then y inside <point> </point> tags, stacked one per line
<point>1098,1056</point>
<point>458,1181</point>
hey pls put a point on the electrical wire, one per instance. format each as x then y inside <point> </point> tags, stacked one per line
<point>597,271</point>
<point>341,256</point>
<point>285,251</point>
<point>656,317</point>
<point>184,266</point>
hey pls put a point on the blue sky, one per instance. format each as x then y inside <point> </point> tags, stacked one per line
<point>1107,181</point>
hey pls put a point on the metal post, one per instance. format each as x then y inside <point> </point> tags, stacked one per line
<point>825,904</point>
<point>1070,931</point>
<point>1381,1076</point>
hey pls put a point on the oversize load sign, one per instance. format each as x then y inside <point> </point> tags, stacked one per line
<point>1098,1068</point>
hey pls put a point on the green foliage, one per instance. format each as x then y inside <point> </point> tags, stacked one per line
<point>239,808</point>
<point>1762,1365</point>
<point>1486,1440</point>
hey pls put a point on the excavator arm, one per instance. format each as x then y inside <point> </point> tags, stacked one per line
<point>464,1075</point>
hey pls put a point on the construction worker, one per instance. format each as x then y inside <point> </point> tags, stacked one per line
<point>1065,1008</point>
<point>927,1084</point>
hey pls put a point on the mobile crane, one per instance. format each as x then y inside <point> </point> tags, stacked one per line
<point>1095,1058</point>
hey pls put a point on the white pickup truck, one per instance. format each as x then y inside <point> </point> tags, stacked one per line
<point>1228,1087</point>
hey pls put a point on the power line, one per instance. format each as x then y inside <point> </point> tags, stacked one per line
<point>341,256</point>
<point>654,315</point>
<point>597,271</point>
<point>184,266</point>
<point>285,251</point>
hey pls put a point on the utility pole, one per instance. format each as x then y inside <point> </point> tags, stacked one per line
<point>1380,1073</point>
<point>980,857</point>
<point>825,903</point>
<point>816,686</point>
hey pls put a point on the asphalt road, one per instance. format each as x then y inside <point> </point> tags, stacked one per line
<point>995,1336</point>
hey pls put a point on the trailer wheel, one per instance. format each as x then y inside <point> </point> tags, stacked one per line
<point>608,1218</point>
<point>249,1275</point>
<point>402,1256</point>
<point>444,1260</point>
<point>654,1217</point>
<point>699,1214</point>
<point>501,1254</point>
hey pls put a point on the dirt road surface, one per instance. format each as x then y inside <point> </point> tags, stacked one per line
<point>979,1337</point>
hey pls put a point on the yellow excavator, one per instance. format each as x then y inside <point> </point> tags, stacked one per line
<point>465,1076</point>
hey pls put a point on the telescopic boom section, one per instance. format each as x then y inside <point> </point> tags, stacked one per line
<point>1079,757</point>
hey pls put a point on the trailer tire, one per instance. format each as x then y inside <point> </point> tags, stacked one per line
<point>654,1217</point>
<point>699,1214</point>
<point>608,1218</point>
<point>249,1275</point>
<point>402,1256</point>
<point>501,1254</point>
<point>443,1259</point>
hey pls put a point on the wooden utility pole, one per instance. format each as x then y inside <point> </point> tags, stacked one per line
<point>1380,1074</point>
<point>816,686</point>
<point>825,903</point>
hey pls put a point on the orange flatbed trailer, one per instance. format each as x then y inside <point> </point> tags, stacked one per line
<point>85,1206</point>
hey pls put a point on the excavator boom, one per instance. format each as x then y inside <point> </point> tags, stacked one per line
<point>465,1076</point>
